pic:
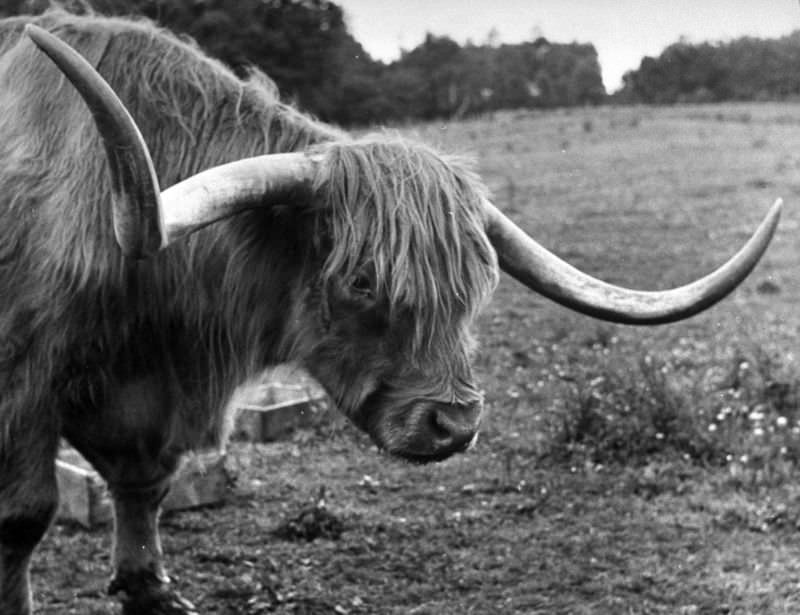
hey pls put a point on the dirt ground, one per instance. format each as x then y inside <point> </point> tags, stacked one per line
<point>461,537</point>
<point>323,523</point>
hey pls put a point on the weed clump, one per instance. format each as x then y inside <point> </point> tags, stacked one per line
<point>630,412</point>
<point>312,522</point>
<point>743,414</point>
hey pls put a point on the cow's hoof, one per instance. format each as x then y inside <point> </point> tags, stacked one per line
<point>160,601</point>
<point>144,595</point>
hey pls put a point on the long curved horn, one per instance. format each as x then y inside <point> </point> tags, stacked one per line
<point>137,218</point>
<point>146,219</point>
<point>225,190</point>
<point>544,272</point>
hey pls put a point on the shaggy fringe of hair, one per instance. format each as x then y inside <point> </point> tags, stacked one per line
<point>414,220</point>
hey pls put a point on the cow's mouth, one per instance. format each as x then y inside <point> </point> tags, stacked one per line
<point>426,458</point>
<point>419,431</point>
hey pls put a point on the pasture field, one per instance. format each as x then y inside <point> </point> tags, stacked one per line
<point>621,470</point>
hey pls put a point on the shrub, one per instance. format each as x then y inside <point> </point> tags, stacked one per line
<point>630,408</point>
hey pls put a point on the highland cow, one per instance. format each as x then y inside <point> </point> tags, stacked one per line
<point>129,314</point>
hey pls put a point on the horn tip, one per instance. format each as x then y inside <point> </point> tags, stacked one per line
<point>774,213</point>
<point>41,37</point>
<point>34,31</point>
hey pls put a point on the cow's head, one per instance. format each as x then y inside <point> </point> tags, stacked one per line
<point>405,265</point>
<point>408,248</point>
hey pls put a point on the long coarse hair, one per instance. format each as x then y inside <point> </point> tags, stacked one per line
<point>415,219</point>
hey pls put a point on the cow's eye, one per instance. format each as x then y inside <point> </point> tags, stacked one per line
<point>361,286</point>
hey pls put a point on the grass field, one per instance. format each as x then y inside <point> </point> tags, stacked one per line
<point>621,470</point>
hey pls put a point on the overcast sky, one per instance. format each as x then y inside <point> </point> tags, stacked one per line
<point>623,31</point>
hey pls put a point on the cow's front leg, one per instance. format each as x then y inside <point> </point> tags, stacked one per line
<point>130,441</point>
<point>140,579</point>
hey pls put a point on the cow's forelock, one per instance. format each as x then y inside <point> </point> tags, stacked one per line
<point>413,220</point>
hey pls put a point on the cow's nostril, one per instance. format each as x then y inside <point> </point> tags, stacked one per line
<point>439,425</point>
<point>452,427</point>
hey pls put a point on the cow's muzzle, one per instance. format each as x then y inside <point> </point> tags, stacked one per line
<point>429,431</point>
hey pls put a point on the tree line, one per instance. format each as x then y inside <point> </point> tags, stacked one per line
<point>306,48</point>
<point>745,69</point>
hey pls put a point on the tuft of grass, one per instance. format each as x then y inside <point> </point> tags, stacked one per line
<point>628,412</point>
<point>629,409</point>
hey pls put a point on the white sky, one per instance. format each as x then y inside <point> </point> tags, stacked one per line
<point>622,31</point>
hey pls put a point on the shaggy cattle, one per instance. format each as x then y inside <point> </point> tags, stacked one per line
<point>128,314</point>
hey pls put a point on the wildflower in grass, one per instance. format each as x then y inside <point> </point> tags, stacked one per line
<point>781,421</point>
<point>756,416</point>
<point>712,427</point>
<point>758,432</point>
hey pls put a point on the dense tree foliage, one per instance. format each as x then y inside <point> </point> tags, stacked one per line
<point>743,69</point>
<point>305,47</point>
<point>453,80</point>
